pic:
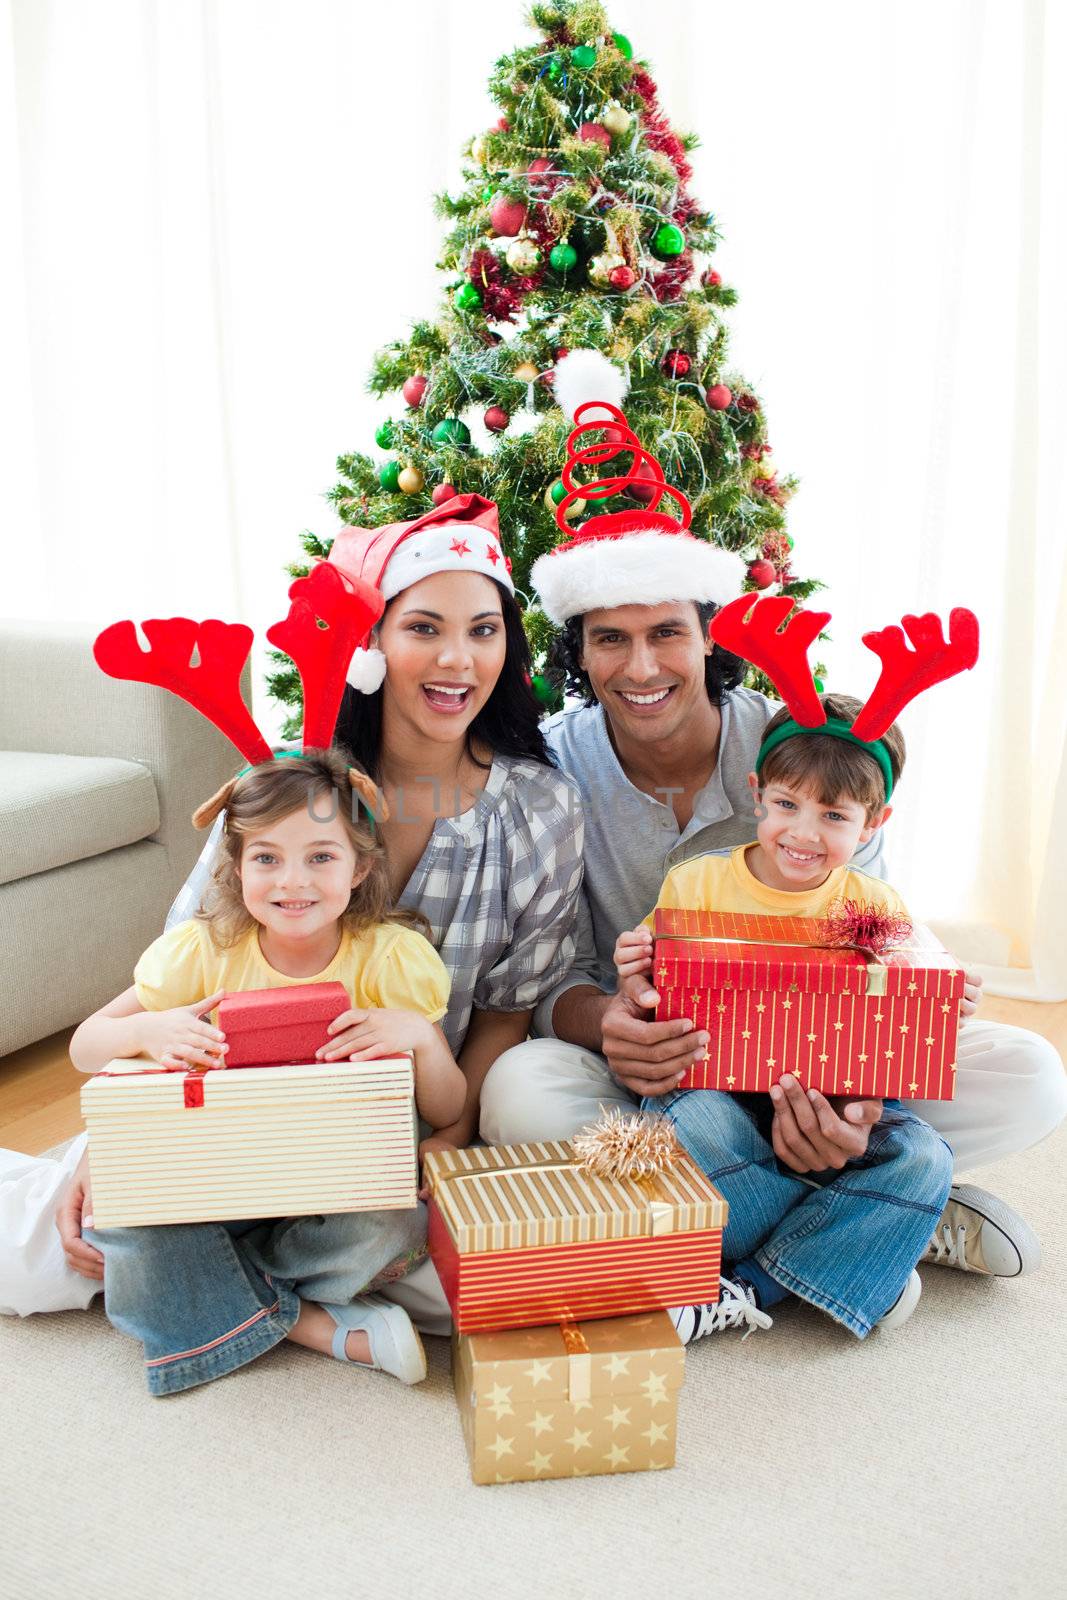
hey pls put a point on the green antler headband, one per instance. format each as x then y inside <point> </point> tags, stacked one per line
<point>776,638</point>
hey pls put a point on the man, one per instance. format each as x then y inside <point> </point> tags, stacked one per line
<point>661,750</point>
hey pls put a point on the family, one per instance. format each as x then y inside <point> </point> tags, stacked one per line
<point>487,913</point>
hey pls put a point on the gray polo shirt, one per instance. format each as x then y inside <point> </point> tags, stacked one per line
<point>632,839</point>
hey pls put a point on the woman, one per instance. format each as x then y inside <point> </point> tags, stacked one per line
<point>484,836</point>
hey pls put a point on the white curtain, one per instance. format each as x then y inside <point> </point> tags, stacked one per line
<point>211,214</point>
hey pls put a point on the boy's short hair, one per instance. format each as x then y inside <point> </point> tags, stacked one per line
<point>833,768</point>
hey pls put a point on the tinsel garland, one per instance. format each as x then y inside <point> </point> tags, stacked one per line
<point>658,131</point>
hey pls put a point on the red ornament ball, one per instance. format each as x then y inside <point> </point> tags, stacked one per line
<point>508,217</point>
<point>504,125</point>
<point>496,419</point>
<point>719,397</point>
<point>622,277</point>
<point>443,492</point>
<point>537,168</point>
<point>595,133</point>
<point>712,279</point>
<point>676,364</point>
<point>643,492</point>
<point>414,389</point>
<point>763,573</point>
<point>547,378</point>
<point>562,351</point>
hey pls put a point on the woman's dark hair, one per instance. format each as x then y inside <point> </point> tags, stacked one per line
<point>509,722</point>
<point>722,670</point>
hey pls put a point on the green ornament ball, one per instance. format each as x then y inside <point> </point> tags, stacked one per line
<point>789,541</point>
<point>545,693</point>
<point>384,435</point>
<point>487,194</point>
<point>820,687</point>
<point>668,241</point>
<point>583,56</point>
<point>452,431</point>
<point>563,257</point>
<point>467,297</point>
<point>554,70</point>
<point>389,477</point>
<point>623,46</point>
<point>558,491</point>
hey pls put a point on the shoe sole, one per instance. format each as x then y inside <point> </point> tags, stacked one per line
<point>1019,1234</point>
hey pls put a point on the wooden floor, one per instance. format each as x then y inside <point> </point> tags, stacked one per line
<point>39,1088</point>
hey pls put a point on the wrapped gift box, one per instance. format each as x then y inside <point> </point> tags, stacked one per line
<point>263,1142</point>
<point>567,1401</point>
<point>276,1027</point>
<point>845,1021</point>
<point>522,1234</point>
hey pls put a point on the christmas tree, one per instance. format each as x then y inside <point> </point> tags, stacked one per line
<point>574,228</point>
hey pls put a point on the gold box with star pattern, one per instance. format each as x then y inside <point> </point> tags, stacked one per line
<point>569,1400</point>
<point>846,1021</point>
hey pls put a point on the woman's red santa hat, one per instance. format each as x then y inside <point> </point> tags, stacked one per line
<point>462,535</point>
<point>639,557</point>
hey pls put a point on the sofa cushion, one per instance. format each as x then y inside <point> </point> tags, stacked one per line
<point>58,809</point>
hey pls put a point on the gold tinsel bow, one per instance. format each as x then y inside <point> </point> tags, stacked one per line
<point>632,1147</point>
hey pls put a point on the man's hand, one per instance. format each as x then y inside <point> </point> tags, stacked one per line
<point>808,1134</point>
<point>83,1257</point>
<point>647,1057</point>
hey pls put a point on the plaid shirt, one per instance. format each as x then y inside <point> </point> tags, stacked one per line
<point>498,885</point>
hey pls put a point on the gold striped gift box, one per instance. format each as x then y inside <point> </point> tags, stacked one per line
<point>250,1142</point>
<point>523,1235</point>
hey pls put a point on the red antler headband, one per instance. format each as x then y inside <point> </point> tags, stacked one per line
<point>754,629</point>
<point>202,662</point>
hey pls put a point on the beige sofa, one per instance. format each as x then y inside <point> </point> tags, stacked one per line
<point>98,781</point>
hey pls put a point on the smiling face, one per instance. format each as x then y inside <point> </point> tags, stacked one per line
<point>799,840</point>
<point>646,667</point>
<point>297,874</point>
<point>444,644</point>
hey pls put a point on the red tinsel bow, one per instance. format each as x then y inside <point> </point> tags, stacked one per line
<point>853,922</point>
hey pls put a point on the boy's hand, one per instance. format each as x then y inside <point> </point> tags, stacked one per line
<point>180,1038</point>
<point>808,1135</point>
<point>633,954</point>
<point>972,995</point>
<point>363,1035</point>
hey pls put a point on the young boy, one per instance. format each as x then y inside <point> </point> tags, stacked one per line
<point>848,1240</point>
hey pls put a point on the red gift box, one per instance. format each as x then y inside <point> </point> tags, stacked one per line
<point>521,1235</point>
<point>280,1027</point>
<point>845,1021</point>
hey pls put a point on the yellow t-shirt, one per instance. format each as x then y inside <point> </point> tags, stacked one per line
<point>387,966</point>
<point>724,883</point>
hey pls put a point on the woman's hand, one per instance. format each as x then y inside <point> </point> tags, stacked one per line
<point>77,1206</point>
<point>633,953</point>
<point>361,1035</point>
<point>181,1038</point>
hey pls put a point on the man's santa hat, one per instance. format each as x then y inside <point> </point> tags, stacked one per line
<point>462,535</point>
<point>638,557</point>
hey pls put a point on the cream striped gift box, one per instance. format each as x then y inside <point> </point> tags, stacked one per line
<point>250,1142</point>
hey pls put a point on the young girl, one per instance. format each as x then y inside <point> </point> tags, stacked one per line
<point>299,895</point>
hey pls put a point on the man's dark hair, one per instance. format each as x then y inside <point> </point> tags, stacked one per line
<point>722,670</point>
<point>509,722</point>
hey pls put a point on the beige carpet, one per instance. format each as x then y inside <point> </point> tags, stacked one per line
<point>926,1462</point>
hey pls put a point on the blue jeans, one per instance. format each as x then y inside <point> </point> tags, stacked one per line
<point>207,1297</point>
<point>845,1240</point>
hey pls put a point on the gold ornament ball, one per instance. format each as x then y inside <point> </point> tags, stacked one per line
<point>478,149</point>
<point>523,256</point>
<point>575,508</point>
<point>526,372</point>
<point>601,267</point>
<point>615,118</point>
<point>410,480</point>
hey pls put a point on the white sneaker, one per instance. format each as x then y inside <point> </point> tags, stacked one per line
<point>903,1305</point>
<point>395,1346</point>
<point>736,1306</point>
<point>979,1233</point>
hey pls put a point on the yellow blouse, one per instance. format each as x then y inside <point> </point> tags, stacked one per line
<point>391,967</point>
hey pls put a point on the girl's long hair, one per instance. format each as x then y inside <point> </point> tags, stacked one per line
<point>508,723</point>
<point>318,784</point>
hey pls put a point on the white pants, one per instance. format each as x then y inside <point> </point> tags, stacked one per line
<point>1011,1091</point>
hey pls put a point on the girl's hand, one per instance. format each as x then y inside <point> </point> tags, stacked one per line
<point>74,1211</point>
<point>363,1035</point>
<point>180,1038</point>
<point>633,953</point>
